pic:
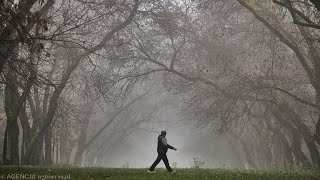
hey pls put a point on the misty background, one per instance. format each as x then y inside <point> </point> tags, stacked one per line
<point>235,83</point>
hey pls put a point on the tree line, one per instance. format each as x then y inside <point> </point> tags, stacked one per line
<point>248,69</point>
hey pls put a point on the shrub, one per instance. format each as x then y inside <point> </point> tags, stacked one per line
<point>197,163</point>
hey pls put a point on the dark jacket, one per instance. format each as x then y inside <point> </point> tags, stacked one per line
<point>163,145</point>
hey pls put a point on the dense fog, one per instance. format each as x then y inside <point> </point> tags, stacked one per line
<point>93,83</point>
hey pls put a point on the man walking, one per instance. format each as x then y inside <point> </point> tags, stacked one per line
<point>162,149</point>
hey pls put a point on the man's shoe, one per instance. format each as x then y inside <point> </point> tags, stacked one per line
<point>173,172</point>
<point>151,171</point>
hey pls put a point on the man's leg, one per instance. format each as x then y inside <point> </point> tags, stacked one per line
<point>166,162</point>
<point>156,162</point>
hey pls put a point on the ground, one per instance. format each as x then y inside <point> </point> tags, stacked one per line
<point>76,173</point>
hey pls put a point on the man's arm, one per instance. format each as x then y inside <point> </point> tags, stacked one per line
<point>164,142</point>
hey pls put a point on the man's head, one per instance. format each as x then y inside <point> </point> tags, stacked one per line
<point>163,133</point>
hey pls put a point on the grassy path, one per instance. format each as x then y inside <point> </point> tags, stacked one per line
<point>121,174</point>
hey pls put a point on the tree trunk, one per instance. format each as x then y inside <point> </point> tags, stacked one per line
<point>48,135</point>
<point>283,143</point>
<point>5,157</point>
<point>48,147</point>
<point>64,149</point>
<point>235,150</point>
<point>268,155</point>
<point>37,155</point>
<point>282,147</point>
<point>26,132</point>
<point>11,146</point>
<point>248,154</point>
<point>304,130</point>
<point>317,135</point>
<point>81,142</point>
<point>296,142</point>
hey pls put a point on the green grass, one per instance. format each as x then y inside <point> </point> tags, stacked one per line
<point>181,174</point>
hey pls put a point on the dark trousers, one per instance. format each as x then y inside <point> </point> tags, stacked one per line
<point>164,158</point>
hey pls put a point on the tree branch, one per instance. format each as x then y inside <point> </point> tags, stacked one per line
<point>53,104</point>
<point>285,36</point>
